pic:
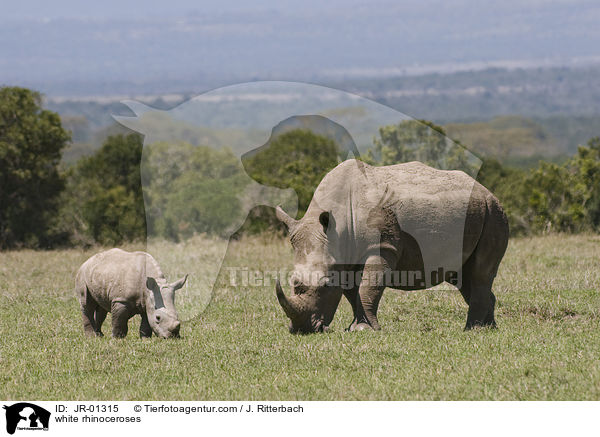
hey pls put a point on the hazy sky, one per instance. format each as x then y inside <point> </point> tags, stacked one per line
<point>71,46</point>
<point>41,9</point>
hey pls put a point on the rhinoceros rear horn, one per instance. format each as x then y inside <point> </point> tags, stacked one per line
<point>285,218</point>
<point>290,307</point>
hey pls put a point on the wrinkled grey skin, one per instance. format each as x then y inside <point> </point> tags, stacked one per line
<point>124,284</point>
<point>405,217</point>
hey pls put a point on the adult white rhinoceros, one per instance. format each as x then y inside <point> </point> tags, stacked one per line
<point>406,226</point>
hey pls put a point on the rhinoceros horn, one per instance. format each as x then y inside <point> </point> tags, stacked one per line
<point>285,218</point>
<point>289,305</point>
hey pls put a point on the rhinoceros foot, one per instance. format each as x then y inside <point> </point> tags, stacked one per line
<point>360,327</point>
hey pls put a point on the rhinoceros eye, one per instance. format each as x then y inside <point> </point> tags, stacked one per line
<point>300,288</point>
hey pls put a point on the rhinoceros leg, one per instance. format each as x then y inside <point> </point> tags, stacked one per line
<point>370,292</point>
<point>88,309</point>
<point>476,290</point>
<point>120,315</point>
<point>367,305</point>
<point>145,329</point>
<point>99,317</point>
<point>87,316</point>
<point>480,269</point>
<point>352,297</point>
<point>481,301</point>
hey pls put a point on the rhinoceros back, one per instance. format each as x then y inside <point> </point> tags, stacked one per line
<point>117,275</point>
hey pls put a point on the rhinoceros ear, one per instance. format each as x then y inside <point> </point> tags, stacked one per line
<point>151,284</point>
<point>327,221</point>
<point>179,283</point>
<point>286,219</point>
<point>154,289</point>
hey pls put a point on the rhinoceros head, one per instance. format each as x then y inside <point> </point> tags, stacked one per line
<point>160,306</point>
<point>314,300</point>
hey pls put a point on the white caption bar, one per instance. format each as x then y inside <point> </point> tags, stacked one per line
<point>298,418</point>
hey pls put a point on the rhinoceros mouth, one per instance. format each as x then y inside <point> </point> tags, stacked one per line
<point>311,325</point>
<point>302,321</point>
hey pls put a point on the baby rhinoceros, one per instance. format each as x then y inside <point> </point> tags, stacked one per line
<point>125,284</point>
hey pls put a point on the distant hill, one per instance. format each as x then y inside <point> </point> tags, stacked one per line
<point>514,140</point>
<point>480,95</point>
<point>506,136</point>
<point>508,114</point>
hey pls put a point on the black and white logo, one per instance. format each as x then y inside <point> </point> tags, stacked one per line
<point>26,416</point>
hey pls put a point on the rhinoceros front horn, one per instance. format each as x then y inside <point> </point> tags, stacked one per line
<point>291,308</point>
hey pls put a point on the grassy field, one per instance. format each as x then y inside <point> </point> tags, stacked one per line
<point>547,346</point>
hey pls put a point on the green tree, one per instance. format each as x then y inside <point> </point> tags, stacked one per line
<point>202,205</point>
<point>555,199</point>
<point>31,144</point>
<point>549,198</point>
<point>297,159</point>
<point>191,189</point>
<point>586,164</point>
<point>566,198</point>
<point>419,140</point>
<point>105,202</point>
<point>509,186</point>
